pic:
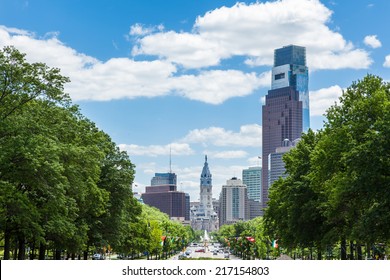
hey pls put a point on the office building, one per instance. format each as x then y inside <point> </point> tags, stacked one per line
<point>276,166</point>
<point>163,195</point>
<point>285,114</point>
<point>233,202</point>
<point>164,179</point>
<point>251,177</point>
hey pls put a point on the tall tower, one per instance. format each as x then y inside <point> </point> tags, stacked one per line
<point>204,217</point>
<point>285,114</point>
<point>206,190</point>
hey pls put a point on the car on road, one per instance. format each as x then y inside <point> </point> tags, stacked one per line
<point>97,257</point>
<point>215,252</point>
<point>226,255</point>
<point>188,252</point>
<point>199,250</point>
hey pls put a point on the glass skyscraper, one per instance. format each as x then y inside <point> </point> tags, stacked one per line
<point>251,177</point>
<point>290,70</point>
<point>285,114</point>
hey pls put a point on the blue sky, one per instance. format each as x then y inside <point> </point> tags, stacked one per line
<point>189,76</point>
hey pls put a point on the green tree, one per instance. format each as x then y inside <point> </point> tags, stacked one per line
<point>293,216</point>
<point>22,82</point>
<point>352,161</point>
<point>64,185</point>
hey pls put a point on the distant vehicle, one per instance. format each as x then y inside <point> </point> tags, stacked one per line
<point>98,257</point>
<point>226,255</point>
<point>199,250</point>
<point>188,252</point>
<point>215,252</point>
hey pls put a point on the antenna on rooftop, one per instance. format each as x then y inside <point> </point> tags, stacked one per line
<point>170,159</point>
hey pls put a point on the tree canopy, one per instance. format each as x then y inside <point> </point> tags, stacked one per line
<point>65,187</point>
<point>338,184</point>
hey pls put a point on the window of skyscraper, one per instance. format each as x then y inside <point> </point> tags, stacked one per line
<point>279,76</point>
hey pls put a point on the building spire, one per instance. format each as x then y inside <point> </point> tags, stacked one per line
<point>205,158</point>
<point>170,159</point>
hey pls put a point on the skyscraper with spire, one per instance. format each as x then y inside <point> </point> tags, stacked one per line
<point>204,217</point>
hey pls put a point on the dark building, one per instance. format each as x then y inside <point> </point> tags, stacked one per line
<point>164,179</point>
<point>285,114</point>
<point>165,197</point>
<point>188,208</point>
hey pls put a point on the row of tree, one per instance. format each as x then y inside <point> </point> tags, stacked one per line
<point>65,187</point>
<point>246,239</point>
<point>337,192</point>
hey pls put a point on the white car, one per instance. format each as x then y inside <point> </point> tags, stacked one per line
<point>97,257</point>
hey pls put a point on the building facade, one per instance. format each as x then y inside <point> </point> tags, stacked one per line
<point>165,196</point>
<point>203,217</point>
<point>285,114</point>
<point>276,166</point>
<point>164,179</point>
<point>251,177</point>
<point>233,202</point>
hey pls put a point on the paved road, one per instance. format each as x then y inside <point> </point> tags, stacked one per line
<point>207,254</point>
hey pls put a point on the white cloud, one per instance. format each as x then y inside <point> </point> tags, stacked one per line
<point>140,30</point>
<point>249,30</point>
<point>372,41</point>
<point>189,50</point>
<point>255,30</point>
<point>178,149</point>
<point>249,136</point>
<point>322,99</point>
<point>254,161</point>
<point>227,154</point>
<point>217,86</point>
<point>120,78</point>
<point>387,61</point>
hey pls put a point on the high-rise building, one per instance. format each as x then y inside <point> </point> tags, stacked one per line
<point>187,208</point>
<point>290,70</point>
<point>251,177</point>
<point>276,168</point>
<point>233,202</point>
<point>164,179</point>
<point>203,216</point>
<point>285,113</point>
<point>163,195</point>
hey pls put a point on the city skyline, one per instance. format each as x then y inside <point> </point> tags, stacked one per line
<point>190,78</point>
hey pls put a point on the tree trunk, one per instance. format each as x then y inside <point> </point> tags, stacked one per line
<point>42,251</point>
<point>32,254</point>
<point>351,250</point>
<point>7,244</point>
<point>359,252</point>
<point>22,248</point>
<point>15,256</point>
<point>57,254</point>
<point>319,254</point>
<point>86,253</point>
<point>368,251</point>
<point>343,251</point>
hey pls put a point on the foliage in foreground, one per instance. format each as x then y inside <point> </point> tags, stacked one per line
<point>65,187</point>
<point>338,185</point>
